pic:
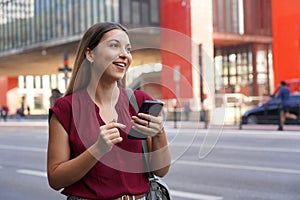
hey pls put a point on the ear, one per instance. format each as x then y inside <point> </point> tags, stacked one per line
<point>89,55</point>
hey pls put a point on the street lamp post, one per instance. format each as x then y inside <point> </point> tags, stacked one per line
<point>66,69</point>
<point>176,78</point>
<point>203,114</point>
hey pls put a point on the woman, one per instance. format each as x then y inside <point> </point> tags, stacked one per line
<point>89,153</point>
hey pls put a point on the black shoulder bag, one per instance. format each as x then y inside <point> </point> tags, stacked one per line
<point>158,188</point>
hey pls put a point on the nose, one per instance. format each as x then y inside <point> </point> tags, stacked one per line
<point>124,52</point>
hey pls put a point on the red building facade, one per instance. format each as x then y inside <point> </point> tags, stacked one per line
<point>286,40</point>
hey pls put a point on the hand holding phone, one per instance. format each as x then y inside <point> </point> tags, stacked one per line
<point>148,107</point>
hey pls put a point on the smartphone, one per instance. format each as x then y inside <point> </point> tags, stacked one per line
<point>148,107</point>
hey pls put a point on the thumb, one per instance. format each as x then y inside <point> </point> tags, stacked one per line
<point>114,120</point>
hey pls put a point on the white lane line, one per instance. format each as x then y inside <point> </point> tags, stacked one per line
<point>32,172</point>
<point>240,167</point>
<point>176,193</point>
<point>284,150</point>
<point>22,148</point>
<point>244,148</point>
<point>189,195</point>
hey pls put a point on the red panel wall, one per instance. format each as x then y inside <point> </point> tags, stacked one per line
<point>286,39</point>
<point>3,90</point>
<point>176,47</point>
<point>6,84</point>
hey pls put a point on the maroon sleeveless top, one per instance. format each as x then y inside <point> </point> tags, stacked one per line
<point>118,172</point>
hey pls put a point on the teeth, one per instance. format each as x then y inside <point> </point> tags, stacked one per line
<point>121,64</point>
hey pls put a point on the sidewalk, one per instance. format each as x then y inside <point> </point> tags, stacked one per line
<point>201,125</point>
<point>24,123</point>
<point>168,124</point>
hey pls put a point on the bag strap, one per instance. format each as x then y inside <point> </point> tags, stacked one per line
<point>133,102</point>
<point>132,99</point>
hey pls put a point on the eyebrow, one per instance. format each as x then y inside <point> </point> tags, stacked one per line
<point>115,40</point>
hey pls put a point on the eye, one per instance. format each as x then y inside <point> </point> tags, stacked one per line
<point>128,49</point>
<point>114,45</point>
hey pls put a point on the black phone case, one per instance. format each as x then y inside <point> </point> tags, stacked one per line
<point>148,107</point>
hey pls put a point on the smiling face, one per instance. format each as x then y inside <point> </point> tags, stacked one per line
<point>111,57</point>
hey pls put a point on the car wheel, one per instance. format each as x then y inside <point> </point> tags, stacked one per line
<point>252,119</point>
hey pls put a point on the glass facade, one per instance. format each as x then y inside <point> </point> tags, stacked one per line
<point>228,16</point>
<point>24,23</point>
<point>234,67</point>
<point>243,65</point>
<point>236,72</point>
<point>33,23</point>
<point>243,17</point>
<point>140,12</point>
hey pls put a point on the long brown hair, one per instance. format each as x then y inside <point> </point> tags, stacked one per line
<point>90,40</point>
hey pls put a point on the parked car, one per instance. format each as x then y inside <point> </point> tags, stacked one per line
<point>268,112</point>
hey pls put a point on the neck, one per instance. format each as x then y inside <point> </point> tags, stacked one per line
<point>103,93</point>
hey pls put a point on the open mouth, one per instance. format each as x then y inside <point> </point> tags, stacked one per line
<point>120,65</point>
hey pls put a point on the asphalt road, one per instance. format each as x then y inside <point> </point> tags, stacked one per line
<point>207,164</point>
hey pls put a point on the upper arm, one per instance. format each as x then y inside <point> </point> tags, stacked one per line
<point>58,144</point>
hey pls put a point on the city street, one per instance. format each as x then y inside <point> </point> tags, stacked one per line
<point>208,164</point>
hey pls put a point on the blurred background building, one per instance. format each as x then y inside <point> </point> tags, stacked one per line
<point>241,47</point>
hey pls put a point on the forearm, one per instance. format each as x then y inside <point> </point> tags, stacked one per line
<point>67,173</point>
<point>160,158</point>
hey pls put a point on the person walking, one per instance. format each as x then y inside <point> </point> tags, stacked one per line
<point>4,112</point>
<point>187,111</point>
<point>55,94</point>
<point>284,96</point>
<point>89,153</point>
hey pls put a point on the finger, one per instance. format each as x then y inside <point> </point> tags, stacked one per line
<point>142,129</point>
<point>145,116</point>
<point>140,121</point>
<point>152,130</point>
<point>114,120</point>
<point>111,125</point>
<point>111,136</point>
<point>151,118</point>
<point>108,132</point>
<point>117,140</point>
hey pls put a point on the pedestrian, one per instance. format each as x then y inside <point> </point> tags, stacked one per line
<point>89,153</point>
<point>55,94</point>
<point>19,114</point>
<point>187,111</point>
<point>4,112</point>
<point>28,111</point>
<point>284,96</point>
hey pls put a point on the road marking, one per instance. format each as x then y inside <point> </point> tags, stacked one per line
<point>189,195</point>
<point>284,150</point>
<point>182,194</point>
<point>241,167</point>
<point>20,148</point>
<point>32,172</point>
<point>244,148</point>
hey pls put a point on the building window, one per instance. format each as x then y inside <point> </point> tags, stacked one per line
<point>125,11</point>
<point>95,15</point>
<point>228,16</point>
<point>135,12</point>
<point>76,17</point>
<point>89,13</point>
<point>140,12</point>
<point>234,70</point>
<point>102,10</point>
<point>154,12</point>
<point>108,10</point>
